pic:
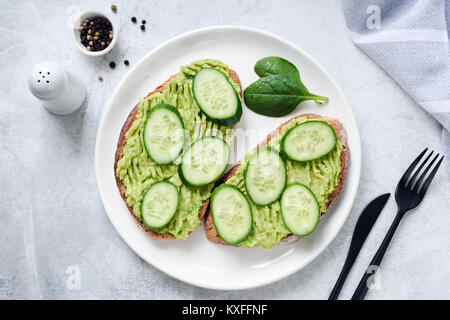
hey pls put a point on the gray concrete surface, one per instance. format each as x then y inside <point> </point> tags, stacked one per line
<point>51,216</point>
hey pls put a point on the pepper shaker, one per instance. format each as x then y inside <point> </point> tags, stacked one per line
<point>59,91</point>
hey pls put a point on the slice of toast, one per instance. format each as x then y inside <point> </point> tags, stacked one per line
<point>210,229</point>
<point>119,154</point>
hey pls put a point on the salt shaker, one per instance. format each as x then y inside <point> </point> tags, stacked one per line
<point>59,91</point>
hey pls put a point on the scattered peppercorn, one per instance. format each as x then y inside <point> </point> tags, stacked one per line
<point>144,22</point>
<point>133,19</point>
<point>114,8</point>
<point>112,64</point>
<point>96,33</point>
<point>126,62</point>
<point>142,27</point>
<point>100,78</point>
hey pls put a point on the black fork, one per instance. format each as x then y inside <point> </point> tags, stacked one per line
<point>410,191</point>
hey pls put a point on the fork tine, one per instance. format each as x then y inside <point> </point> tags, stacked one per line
<point>416,186</point>
<point>413,178</point>
<point>427,182</point>
<point>407,173</point>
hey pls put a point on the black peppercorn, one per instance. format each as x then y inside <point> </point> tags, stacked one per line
<point>142,27</point>
<point>144,22</point>
<point>96,33</point>
<point>112,64</point>
<point>126,62</point>
<point>133,19</point>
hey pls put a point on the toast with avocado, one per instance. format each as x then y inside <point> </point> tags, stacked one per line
<point>280,191</point>
<point>160,174</point>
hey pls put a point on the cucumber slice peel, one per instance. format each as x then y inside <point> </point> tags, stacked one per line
<point>265,176</point>
<point>216,97</point>
<point>163,134</point>
<point>231,213</point>
<point>299,209</point>
<point>308,141</point>
<point>159,204</point>
<point>204,161</point>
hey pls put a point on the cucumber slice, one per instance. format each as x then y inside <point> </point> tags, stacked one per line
<point>308,141</point>
<point>265,176</point>
<point>231,213</point>
<point>216,97</point>
<point>163,134</point>
<point>159,204</point>
<point>299,209</point>
<point>204,161</point>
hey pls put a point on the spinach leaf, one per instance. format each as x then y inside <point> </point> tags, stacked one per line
<point>276,95</point>
<point>279,90</point>
<point>276,65</point>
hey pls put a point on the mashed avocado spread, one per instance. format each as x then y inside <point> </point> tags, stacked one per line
<point>320,175</point>
<point>137,172</point>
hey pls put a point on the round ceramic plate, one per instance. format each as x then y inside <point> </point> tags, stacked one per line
<point>196,260</point>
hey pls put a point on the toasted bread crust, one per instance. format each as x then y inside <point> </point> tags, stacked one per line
<point>210,229</point>
<point>119,154</point>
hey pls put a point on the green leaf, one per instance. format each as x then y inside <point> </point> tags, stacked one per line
<point>276,95</point>
<point>276,65</point>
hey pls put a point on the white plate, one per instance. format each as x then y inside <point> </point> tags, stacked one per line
<point>196,260</point>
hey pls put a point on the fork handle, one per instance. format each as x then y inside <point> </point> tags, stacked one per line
<point>363,287</point>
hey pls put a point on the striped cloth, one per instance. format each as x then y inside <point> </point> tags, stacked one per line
<point>409,39</point>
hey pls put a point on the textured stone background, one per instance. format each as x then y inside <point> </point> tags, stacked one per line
<point>51,216</point>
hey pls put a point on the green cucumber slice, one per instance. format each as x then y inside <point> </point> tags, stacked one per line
<point>265,176</point>
<point>159,204</point>
<point>217,97</point>
<point>231,213</point>
<point>299,209</point>
<point>308,141</point>
<point>204,161</point>
<point>164,134</point>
